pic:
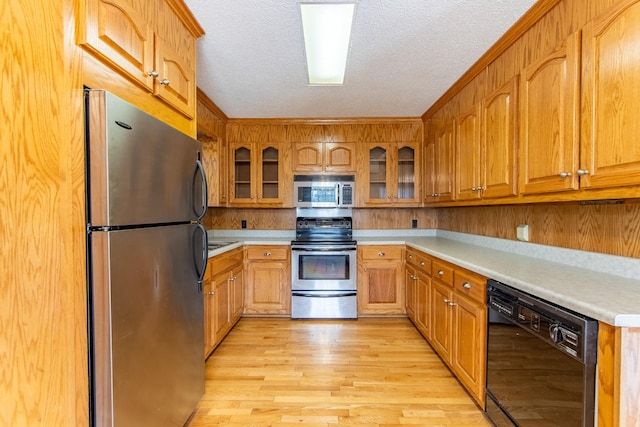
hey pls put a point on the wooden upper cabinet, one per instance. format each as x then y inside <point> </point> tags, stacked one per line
<point>390,174</point>
<point>129,40</point>
<point>257,171</point>
<point>429,171</point>
<point>307,156</point>
<point>550,97</point>
<point>120,36</point>
<point>610,151</point>
<point>498,141</point>
<point>468,155</point>
<point>324,157</point>
<point>339,156</point>
<point>175,83</point>
<point>444,152</point>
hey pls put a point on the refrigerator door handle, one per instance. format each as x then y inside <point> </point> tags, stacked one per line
<point>200,265</point>
<point>201,208</point>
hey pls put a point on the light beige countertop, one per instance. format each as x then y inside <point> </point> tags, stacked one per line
<point>604,287</point>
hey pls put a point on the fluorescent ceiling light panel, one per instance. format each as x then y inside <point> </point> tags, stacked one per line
<point>327,34</point>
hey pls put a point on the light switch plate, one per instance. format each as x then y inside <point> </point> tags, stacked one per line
<point>522,232</point>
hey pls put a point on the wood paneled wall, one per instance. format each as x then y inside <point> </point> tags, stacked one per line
<point>43,329</point>
<point>257,219</point>
<point>285,219</point>
<point>325,130</point>
<point>609,229</point>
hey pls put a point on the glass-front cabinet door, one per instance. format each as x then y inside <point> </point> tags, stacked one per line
<point>406,174</point>
<point>242,179</point>
<point>257,171</point>
<point>378,177</point>
<point>391,174</point>
<point>270,176</point>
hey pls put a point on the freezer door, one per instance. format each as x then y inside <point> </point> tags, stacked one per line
<point>141,170</point>
<point>148,326</point>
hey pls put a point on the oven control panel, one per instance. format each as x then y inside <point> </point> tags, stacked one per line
<point>320,223</point>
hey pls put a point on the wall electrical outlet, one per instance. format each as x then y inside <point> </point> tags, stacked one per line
<point>243,223</point>
<point>414,223</point>
<point>522,232</point>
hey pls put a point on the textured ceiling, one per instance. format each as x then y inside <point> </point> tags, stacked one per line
<point>404,55</point>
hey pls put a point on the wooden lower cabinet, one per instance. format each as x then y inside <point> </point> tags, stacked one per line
<point>449,311</point>
<point>223,290</point>
<point>380,280</point>
<point>469,345</point>
<point>268,280</point>
<point>441,319</point>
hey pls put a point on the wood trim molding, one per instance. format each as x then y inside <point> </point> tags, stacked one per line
<point>533,15</point>
<point>187,18</point>
<point>324,121</point>
<point>202,97</point>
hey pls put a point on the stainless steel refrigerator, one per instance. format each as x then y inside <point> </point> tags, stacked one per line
<point>147,252</point>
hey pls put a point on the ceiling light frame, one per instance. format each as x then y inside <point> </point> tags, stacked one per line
<point>327,29</point>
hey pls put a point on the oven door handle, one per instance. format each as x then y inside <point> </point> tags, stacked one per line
<point>309,295</point>
<point>323,249</point>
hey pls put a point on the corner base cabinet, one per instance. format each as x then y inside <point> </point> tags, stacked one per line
<point>223,297</point>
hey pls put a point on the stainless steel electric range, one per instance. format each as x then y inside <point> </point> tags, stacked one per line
<point>324,267</point>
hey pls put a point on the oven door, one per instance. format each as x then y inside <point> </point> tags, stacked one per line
<point>316,269</point>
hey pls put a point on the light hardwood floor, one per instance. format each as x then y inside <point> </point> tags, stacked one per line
<point>369,372</point>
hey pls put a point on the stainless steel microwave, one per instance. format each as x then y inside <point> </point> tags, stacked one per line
<point>323,191</point>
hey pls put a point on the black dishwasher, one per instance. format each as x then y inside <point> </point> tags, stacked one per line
<point>541,361</point>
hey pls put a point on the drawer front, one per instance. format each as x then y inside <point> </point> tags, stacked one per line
<point>442,272</point>
<point>373,252</point>
<point>268,253</point>
<point>223,262</point>
<point>419,260</point>
<point>470,284</point>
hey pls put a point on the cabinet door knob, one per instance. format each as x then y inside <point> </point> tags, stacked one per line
<point>446,300</point>
<point>451,303</point>
<point>466,285</point>
<point>474,188</point>
<point>565,174</point>
<point>422,263</point>
<point>410,256</point>
<point>153,73</point>
<point>211,293</point>
<point>267,254</point>
<point>381,254</point>
<point>164,82</point>
<point>582,172</point>
<point>440,272</point>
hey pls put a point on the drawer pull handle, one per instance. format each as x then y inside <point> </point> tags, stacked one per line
<point>440,273</point>
<point>381,254</point>
<point>267,254</point>
<point>466,285</point>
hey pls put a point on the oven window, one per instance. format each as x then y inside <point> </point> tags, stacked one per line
<point>323,267</point>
